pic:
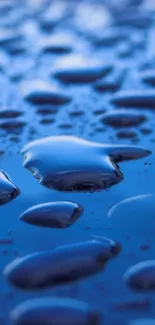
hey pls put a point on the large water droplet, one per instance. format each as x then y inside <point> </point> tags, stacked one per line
<point>69,163</point>
<point>61,265</point>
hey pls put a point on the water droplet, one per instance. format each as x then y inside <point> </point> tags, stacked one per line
<point>126,134</point>
<point>110,37</point>
<point>7,36</point>
<point>8,191</point>
<point>135,98</point>
<point>57,44</point>
<point>16,47</point>
<point>76,113</point>
<point>61,265</point>
<point>134,305</point>
<point>146,130</point>
<point>141,276</point>
<point>99,129</point>
<point>39,92</point>
<point>47,121</point>
<point>82,74</point>
<point>134,216</point>
<point>65,126</point>
<point>121,118</point>
<point>99,111</point>
<point>13,126</point>
<point>47,110</point>
<point>53,15</point>
<point>148,76</point>
<point>6,241</point>
<point>145,247</point>
<point>142,321</point>
<point>15,139</point>
<point>10,113</point>
<point>53,214</point>
<point>63,162</point>
<point>111,83</point>
<point>56,311</point>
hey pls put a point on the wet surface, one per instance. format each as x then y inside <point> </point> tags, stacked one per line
<point>65,68</point>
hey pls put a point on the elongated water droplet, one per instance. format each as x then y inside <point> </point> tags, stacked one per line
<point>55,311</point>
<point>141,276</point>
<point>61,265</point>
<point>53,214</point>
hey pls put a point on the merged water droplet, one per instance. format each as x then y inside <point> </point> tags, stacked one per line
<point>53,214</point>
<point>8,191</point>
<point>121,118</point>
<point>141,276</point>
<point>56,311</point>
<point>61,265</point>
<point>39,92</point>
<point>67,163</point>
<point>135,98</point>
